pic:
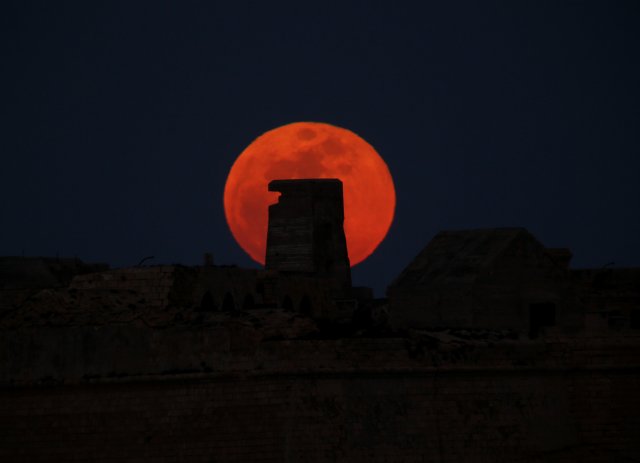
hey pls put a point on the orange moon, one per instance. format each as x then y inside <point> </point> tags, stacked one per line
<point>310,150</point>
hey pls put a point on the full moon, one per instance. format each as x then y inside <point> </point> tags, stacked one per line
<point>310,150</point>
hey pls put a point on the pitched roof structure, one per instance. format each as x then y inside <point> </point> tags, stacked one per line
<point>458,255</point>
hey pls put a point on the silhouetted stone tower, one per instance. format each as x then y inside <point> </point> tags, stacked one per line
<point>306,234</point>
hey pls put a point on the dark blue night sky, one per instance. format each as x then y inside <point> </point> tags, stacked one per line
<point>120,121</point>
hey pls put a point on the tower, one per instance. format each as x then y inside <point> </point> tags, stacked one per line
<point>306,234</point>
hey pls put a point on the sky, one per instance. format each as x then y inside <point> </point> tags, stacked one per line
<point>120,120</point>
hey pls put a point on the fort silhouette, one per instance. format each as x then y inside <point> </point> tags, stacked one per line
<point>488,347</point>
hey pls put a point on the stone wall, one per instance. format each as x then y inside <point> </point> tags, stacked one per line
<point>167,295</point>
<point>226,393</point>
<point>477,416</point>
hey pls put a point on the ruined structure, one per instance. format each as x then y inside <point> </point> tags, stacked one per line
<point>487,279</point>
<point>306,235</point>
<point>496,351</point>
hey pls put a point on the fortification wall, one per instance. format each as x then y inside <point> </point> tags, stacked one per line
<point>226,394</point>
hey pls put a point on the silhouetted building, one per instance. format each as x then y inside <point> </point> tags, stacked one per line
<point>490,279</point>
<point>306,234</point>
